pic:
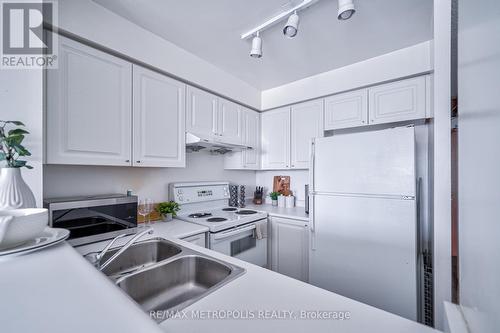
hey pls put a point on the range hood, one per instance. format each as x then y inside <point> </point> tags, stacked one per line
<point>195,143</point>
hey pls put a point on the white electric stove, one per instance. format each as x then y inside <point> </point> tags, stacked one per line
<point>233,231</point>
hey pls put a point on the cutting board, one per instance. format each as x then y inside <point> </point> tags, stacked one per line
<point>281,184</point>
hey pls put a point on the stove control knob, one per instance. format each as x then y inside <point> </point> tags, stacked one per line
<point>179,191</point>
<point>180,198</point>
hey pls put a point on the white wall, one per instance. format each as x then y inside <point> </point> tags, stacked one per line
<point>21,99</point>
<point>64,180</point>
<point>479,163</point>
<point>409,61</point>
<point>298,178</point>
<point>90,21</point>
<point>441,159</point>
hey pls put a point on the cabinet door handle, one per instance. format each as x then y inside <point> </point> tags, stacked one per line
<point>127,161</point>
<point>138,161</point>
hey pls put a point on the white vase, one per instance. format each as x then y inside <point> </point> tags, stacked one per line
<point>14,192</point>
<point>281,201</point>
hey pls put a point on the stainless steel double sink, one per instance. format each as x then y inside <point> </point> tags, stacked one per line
<point>162,276</point>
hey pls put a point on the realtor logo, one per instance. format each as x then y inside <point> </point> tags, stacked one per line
<point>24,42</point>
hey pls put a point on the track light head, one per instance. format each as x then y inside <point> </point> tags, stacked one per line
<point>256,51</point>
<point>346,9</point>
<point>292,26</point>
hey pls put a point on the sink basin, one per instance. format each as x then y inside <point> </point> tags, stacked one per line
<point>177,283</point>
<point>139,255</point>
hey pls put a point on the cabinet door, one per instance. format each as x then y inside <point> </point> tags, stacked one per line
<point>398,101</point>
<point>201,111</point>
<point>251,132</point>
<point>229,122</point>
<point>275,126</point>
<point>250,158</point>
<point>198,239</point>
<point>89,107</point>
<point>290,248</point>
<point>306,123</point>
<point>346,110</point>
<point>159,120</point>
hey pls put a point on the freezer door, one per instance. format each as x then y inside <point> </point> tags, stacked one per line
<point>377,162</point>
<point>365,249</point>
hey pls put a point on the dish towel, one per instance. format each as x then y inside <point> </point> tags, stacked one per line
<point>261,229</point>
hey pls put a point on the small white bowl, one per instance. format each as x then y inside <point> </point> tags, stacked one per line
<point>18,226</point>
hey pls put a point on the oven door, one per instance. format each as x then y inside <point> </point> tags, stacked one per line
<point>241,242</point>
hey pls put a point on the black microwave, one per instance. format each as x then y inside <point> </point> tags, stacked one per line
<point>93,218</point>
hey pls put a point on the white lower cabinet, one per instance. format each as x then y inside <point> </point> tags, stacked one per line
<point>159,120</point>
<point>198,239</point>
<point>290,247</point>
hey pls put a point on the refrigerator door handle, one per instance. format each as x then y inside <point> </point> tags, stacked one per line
<point>312,193</point>
<point>312,224</point>
<point>311,167</point>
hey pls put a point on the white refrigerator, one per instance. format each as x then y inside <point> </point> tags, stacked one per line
<point>363,216</point>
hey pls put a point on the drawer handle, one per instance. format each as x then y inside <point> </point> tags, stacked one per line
<point>235,232</point>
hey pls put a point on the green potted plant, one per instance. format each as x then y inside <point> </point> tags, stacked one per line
<point>274,197</point>
<point>168,210</point>
<point>14,193</point>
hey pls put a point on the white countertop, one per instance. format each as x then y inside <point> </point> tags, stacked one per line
<point>296,213</point>
<point>260,289</point>
<point>56,290</point>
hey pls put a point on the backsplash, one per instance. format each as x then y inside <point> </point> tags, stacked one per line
<point>298,179</point>
<point>70,180</point>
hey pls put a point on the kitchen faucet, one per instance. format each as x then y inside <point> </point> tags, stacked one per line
<point>95,258</point>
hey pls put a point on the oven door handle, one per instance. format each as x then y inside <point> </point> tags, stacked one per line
<point>234,232</point>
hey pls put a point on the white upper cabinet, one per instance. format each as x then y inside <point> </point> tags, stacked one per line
<point>89,107</point>
<point>159,116</point>
<point>212,116</point>
<point>346,110</point>
<point>306,123</point>
<point>229,124</point>
<point>276,139</point>
<point>290,248</point>
<point>248,158</point>
<point>251,132</point>
<point>287,134</point>
<point>202,112</point>
<point>398,101</point>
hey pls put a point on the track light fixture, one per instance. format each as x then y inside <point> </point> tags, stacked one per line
<point>346,9</point>
<point>292,26</point>
<point>256,51</point>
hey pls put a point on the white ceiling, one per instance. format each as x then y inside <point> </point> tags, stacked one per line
<point>211,30</point>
